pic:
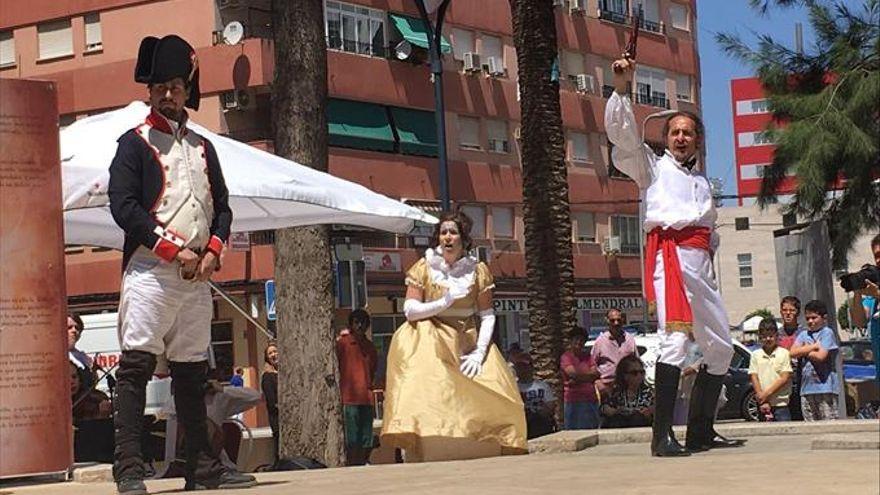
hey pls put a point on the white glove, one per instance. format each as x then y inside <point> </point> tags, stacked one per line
<point>472,363</point>
<point>416,310</point>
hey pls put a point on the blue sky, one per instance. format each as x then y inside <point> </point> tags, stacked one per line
<point>733,16</point>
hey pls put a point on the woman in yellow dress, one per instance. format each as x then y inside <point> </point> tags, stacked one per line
<point>449,393</point>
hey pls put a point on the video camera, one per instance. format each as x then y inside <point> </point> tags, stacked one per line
<point>858,280</point>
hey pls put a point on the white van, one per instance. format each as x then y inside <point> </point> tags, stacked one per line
<point>100,341</point>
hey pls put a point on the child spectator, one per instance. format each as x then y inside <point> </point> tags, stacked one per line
<point>770,372</point>
<point>579,374</point>
<point>631,401</point>
<point>237,379</point>
<point>819,381</point>
<point>537,396</point>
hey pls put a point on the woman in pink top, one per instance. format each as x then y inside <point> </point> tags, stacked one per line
<point>579,374</point>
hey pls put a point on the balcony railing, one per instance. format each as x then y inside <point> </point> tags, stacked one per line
<point>655,99</point>
<point>351,46</point>
<point>621,18</point>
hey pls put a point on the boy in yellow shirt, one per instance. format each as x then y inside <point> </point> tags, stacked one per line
<point>770,372</point>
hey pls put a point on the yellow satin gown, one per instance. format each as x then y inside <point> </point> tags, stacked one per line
<point>431,409</point>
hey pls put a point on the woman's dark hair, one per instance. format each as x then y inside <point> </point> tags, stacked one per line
<point>698,123</point>
<point>623,366</point>
<point>271,343</point>
<point>359,315</point>
<point>78,321</point>
<point>464,224</point>
<point>577,332</point>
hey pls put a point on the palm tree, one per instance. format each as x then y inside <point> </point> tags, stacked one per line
<point>309,401</point>
<point>549,265</point>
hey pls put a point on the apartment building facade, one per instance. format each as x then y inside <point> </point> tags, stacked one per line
<point>382,132</point>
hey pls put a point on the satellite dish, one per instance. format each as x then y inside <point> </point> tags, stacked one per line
<point>403,50</point>
<point>233,33</point>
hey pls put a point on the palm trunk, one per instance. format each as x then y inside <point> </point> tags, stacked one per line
<point>308,393</point>
<point>549,265</point>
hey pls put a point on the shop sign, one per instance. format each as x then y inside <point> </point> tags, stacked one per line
<point>602,303</point>
<point>381,261</point>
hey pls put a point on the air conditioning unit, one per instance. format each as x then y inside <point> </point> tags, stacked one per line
<point>499,145</point>
<point>494,66</point>
<point>577,6</point>
<point>471,62</point>
<point>585,83</point>
<point>484,253</point>
<point>239,99</point>
<point>611,245</point>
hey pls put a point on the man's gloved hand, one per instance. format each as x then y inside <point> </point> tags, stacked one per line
<point>472,363</point>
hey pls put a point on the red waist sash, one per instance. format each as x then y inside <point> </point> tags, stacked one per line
<point>678,309</point>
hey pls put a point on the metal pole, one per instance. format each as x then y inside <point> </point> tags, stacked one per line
<point>241,310</point>
<point>435,35</point>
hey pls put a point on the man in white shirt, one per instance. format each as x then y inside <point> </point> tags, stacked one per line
<point>679,219</point>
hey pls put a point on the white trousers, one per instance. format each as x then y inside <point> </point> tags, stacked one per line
<point>711,328</point>
<point>161,313</point>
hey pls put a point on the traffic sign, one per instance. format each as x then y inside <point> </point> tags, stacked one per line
<point>270,300</point>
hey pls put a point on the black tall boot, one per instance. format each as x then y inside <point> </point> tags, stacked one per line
<point>203,468</point>
<point>701,434</point>
<point>663,442</point>
<point>135,370</point>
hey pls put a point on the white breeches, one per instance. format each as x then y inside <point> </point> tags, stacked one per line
<point>161,313</point>
<point>710,326</point>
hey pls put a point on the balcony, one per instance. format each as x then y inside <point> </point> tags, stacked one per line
<point>351,46</point>
<point>626,19</point>
<point>655,99</point>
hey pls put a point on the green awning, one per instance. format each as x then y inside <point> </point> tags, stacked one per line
<point>416,131</point>
<point>354,124</point>
<point>415,31</point>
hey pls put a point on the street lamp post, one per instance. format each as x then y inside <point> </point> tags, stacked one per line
<point>435,34</point>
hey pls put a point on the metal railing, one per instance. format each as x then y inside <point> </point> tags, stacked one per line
<point>351,46</point>
<point>622,18</point>
<point>654,99</point>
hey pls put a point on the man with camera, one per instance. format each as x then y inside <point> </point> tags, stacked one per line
<point>865,308</point>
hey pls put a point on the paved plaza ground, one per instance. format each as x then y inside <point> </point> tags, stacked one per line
<point>765,465</point>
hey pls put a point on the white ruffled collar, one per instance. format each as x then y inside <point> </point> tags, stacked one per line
<point>461,273</point>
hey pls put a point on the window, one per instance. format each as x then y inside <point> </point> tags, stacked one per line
<point>750,107</point>
<point>627,229</point>
<point>683,88</point>
<point>497,131</point>
<point>7,49</point>
<point>584,227</point>
<point>469,133</point>
<point>578,147</point>
<point>741,223</point>
<point>650,14</point>
<point>607,79</point>
<point>462,42</point>
<point>615,6</point>
<point>502,221</point>
<point>744,261</point>
<point>55,39</point>
<point>752,171</point>
<point>574,64</point>
<point>491,47</point>
<point>354,29</point>
<point>93,32</point>
<point>758,138</point>
<point>477,215</point>
<point>678,16</point>
<point>222,348</point>
<point>651,87</point>
<point>612,170</point>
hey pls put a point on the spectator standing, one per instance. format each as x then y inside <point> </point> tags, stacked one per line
<point>269,386</point>
<point>237,379</point>
<point>790,309</point>
<point>770,372</point>
<point>610,347</point>
<point>357,367</point>
<point>537,396</point>
<point>818,346</point>
<point>631,401</point>
<point>79,358</point>
<point>868,301</point>
<point>579,374</point>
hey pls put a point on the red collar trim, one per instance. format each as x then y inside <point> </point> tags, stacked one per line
<point>158,121</point>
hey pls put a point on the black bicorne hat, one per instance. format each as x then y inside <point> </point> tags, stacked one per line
<point>161,60</point>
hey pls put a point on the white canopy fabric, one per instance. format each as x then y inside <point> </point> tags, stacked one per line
<point>265,191</point>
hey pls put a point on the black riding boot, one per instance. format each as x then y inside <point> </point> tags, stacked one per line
<point>663,442</point>
<point>135,370</point>
<point>203,468</point>
<point>701,434</point>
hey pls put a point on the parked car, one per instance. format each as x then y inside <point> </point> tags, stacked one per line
<point>741,401</point>
<point>858,360</point>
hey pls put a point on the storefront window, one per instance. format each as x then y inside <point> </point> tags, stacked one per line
<point>221,346</point>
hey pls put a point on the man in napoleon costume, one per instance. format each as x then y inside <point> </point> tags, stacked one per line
<point>168,194</point>
<point>680,279</point>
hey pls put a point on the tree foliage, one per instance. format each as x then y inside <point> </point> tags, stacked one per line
<point>764,313</point>
<point>826,108</point>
